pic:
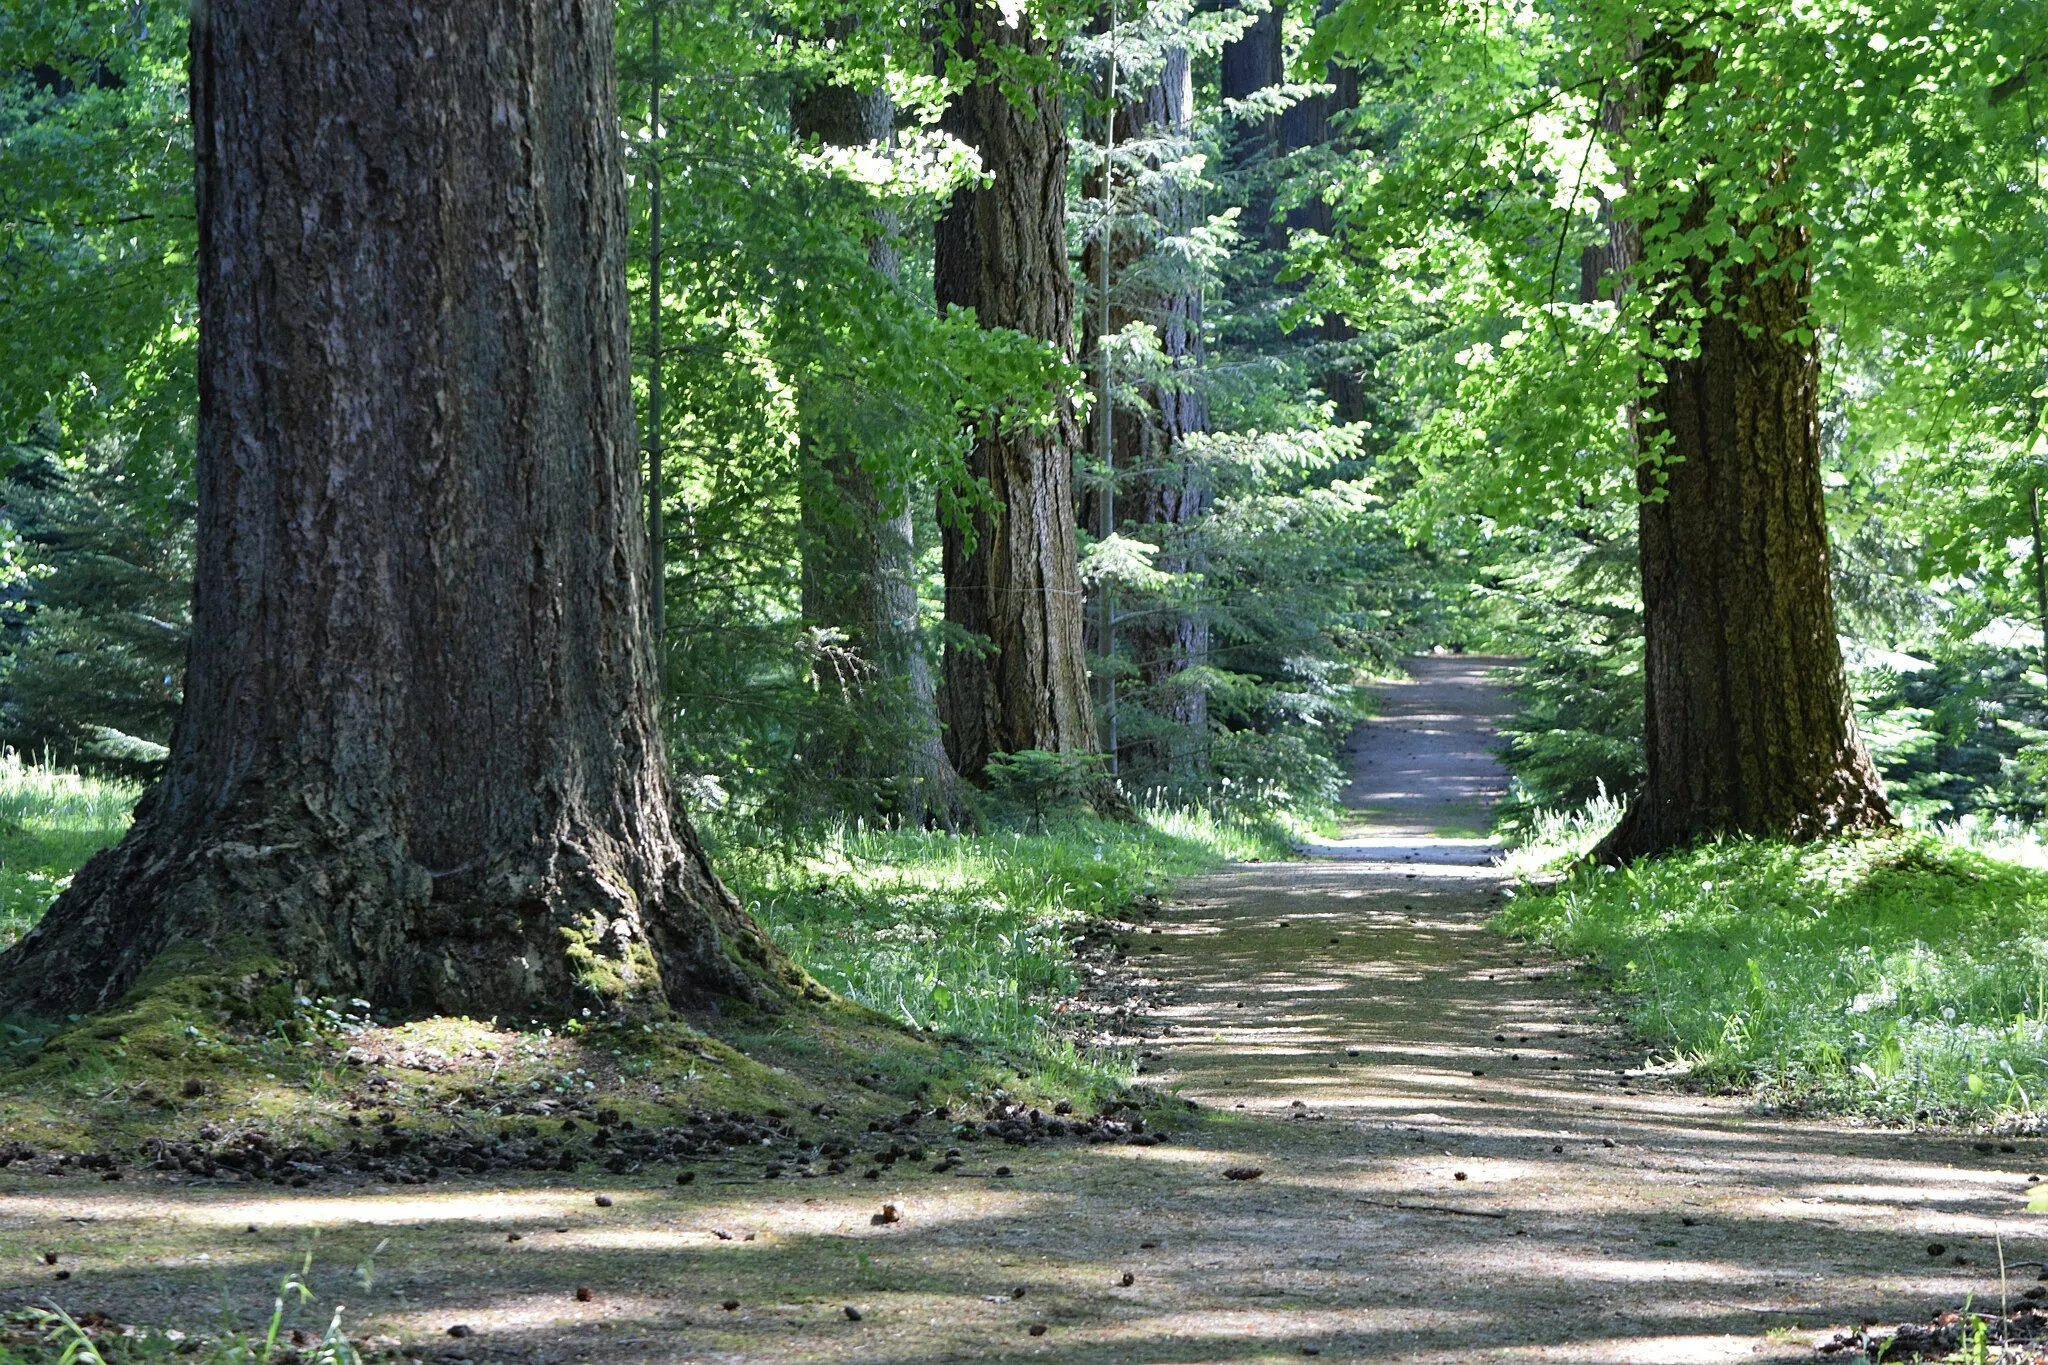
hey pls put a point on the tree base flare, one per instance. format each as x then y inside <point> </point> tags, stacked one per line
<point>1646,831</point>
<point>566,926</point>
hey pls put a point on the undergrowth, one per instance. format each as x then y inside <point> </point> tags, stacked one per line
<point>972,936</point>
<point>51,821</point>
<point>1903,976</point>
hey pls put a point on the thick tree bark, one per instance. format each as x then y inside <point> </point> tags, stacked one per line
<point>1157,491</point>
<point>1748,725</point>
<point>1011,574</point>
<point>860,571</point>
<point>418,759</point>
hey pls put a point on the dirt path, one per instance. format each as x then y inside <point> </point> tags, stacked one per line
<point>1456,1164</point>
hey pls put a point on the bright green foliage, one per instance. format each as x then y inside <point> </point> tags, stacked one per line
<point>96,223</point>
<point>777,330</point>
<point>97,324</point>
<point>1513,136</point>
<point>1960,735</point>
<point>1896,975</point>
<point>1893,150</point>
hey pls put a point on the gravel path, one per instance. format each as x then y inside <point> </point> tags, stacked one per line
<point>1456,1164</point>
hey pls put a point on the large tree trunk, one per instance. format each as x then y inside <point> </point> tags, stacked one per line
<point>1149,484</point>
<point>1748,726</point>
<point>418,759</point>
<point>1011,574</point>
<point>860,571</point>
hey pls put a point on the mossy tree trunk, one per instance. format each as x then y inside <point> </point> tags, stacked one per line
<point>418,759</point>
<point>1012,578</point>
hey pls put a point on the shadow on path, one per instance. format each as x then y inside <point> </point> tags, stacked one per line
<point>1460,1163</point>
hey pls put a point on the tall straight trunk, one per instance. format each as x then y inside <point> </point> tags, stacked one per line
<point>418,759</point>
<point>1748,727</point>
<point>1304,126</point>
<point>1011,573</point>
<point>1255,62</point>
<point>1155,488</point>
<point>859,569</point>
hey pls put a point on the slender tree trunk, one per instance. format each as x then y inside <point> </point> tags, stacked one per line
<point>1011,574</point>
<point>1156,487</point>
<point>1748,726</point>
<point>418,759</point>
<point>860,571</point>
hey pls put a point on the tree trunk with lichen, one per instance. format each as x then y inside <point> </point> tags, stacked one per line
<point>1012,576</point>
<point>418,759</point>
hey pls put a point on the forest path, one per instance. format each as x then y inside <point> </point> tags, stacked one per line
<point>1349,1028</point>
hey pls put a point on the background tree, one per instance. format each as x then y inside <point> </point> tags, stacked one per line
<point>1556,131</point>
<point>1012,574</point>
<point>1748,726</point>
<point>859,543</point>
<point>418,758</point>
<point>1145,269</point>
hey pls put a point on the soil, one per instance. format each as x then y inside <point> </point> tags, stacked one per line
<point>1415,1141</point>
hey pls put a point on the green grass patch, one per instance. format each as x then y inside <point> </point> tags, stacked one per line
<point>1904,976</point>
<point>974,936</point>
<point>51,821</point>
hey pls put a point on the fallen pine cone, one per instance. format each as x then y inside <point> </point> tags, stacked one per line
<point>1243,1172</point>
<point>583,1293</point>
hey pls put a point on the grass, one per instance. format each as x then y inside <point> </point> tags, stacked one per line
<point>1903,976</point>
<point>1547,839</point>
<point>51,821</point>
<point>973,936</point>
<point>52,1336</point>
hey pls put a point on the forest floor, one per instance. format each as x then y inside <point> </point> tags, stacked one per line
<point>1460,1157</point>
